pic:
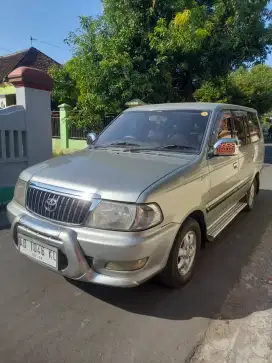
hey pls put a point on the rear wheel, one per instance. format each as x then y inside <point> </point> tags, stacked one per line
<point>183,255</point>
<point>251,196</point>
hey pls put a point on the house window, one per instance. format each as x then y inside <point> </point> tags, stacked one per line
<point>10,100</point>
<point>2,101</point>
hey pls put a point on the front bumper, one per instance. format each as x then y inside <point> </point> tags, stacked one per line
<point>85,251</point>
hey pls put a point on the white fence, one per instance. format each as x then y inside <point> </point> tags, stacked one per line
<point>25,129</point>
<point>13,144</point>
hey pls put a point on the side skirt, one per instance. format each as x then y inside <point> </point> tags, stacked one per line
<point>219,224</point>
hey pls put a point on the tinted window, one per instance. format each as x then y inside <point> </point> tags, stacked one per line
<point>153,129</point>
<point>239,126</point>
<point>253,127</point>
<point>223,126</point>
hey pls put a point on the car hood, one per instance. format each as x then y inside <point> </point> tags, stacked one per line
<point>112,174</point>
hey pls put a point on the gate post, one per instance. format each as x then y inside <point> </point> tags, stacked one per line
<point>33,89</point>
<point>64,128</point>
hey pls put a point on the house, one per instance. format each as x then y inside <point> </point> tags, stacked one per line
<point>30,57</point>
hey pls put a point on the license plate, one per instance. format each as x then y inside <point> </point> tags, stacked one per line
<point>39,251</point>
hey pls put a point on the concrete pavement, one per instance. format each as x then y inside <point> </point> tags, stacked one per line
<point>242,331</point>
<point>43,318</point>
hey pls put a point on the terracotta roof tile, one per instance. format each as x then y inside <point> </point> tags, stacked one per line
<point>31,57</point>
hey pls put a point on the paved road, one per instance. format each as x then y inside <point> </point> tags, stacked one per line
<point>43,318</point>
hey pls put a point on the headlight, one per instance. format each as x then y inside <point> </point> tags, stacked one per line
<point>124,217</point>
<point>20,192</point>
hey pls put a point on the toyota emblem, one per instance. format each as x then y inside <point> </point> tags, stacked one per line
<point>51,204</point>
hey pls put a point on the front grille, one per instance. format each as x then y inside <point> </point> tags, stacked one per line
<point>58,207</point>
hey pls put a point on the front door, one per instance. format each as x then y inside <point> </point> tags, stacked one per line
<point>223,171</point>
<point>246,150</point>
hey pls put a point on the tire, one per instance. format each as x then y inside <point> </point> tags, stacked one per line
<point>251,196</point>
<point>177,271</point>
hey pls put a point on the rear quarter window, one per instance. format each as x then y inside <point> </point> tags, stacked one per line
<point>254,132</point>
<point>239,119</point>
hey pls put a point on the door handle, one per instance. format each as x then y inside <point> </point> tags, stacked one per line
<point>235,165</point>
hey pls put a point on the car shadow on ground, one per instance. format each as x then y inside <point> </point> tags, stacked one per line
<point>218,270</point>
<point>268,154</point>
<point>4,223</point>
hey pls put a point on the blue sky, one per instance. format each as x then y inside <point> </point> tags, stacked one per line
<point>49,21</point>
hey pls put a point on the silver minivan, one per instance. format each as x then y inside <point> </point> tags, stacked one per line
<point>144,197</point>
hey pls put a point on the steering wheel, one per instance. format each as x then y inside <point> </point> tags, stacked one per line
<point>177,138</point>
<point>129,137</point>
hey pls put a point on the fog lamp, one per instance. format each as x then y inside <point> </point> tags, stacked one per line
<point>126,265</point>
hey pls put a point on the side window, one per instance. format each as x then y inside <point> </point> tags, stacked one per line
<point>239,126</point>
<point>253,127</point>
<point>223,125</point>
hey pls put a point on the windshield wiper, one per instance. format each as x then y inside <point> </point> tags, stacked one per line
<point>156,148</point>
<point>122,144</point>
<point>175,146</point>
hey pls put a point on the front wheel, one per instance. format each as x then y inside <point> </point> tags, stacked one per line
<point>183,255</point>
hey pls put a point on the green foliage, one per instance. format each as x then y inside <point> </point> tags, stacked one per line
<point>85,117</point>
<point>255,87</point>
<point>64,90</point>
<point>265,120</point>
<point>217,90</point>
<point>161,50</point>
<point>248,87</point>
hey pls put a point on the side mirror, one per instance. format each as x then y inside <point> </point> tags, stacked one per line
<point>226,147</point>
<point>91,137</point>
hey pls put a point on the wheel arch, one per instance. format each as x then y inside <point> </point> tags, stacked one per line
<point>198,216</point>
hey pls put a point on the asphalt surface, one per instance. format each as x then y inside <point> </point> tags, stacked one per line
<point>44,318</point>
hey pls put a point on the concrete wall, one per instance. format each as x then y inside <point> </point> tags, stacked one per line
<point>7,89</point>
<point>73,145</point>
<point>25,129</point>
<point>37,103</point>
<point>64,144</point>
<point>13,153</point>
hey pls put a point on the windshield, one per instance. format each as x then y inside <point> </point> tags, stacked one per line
<point>173,130</point>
